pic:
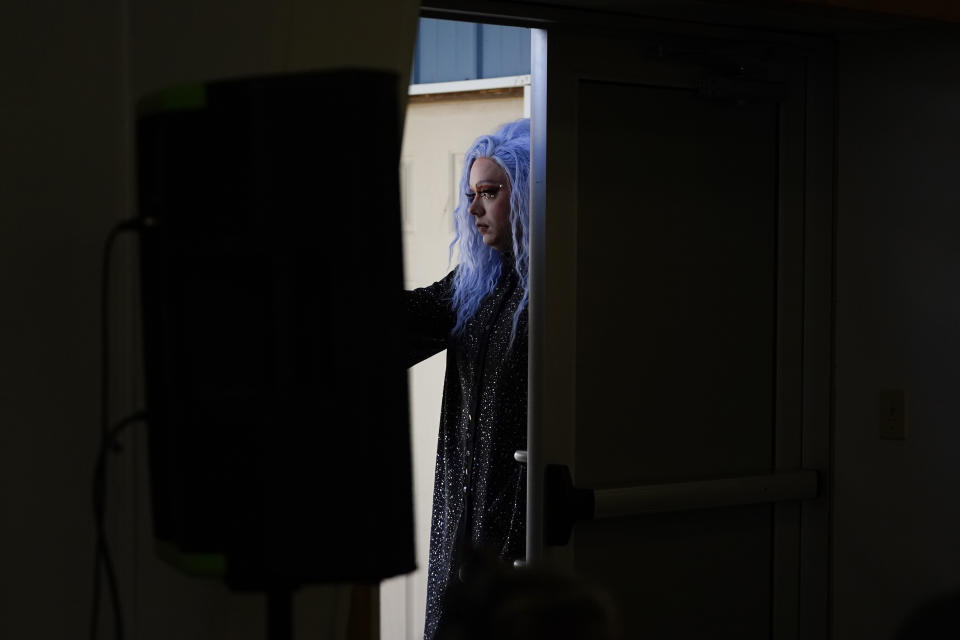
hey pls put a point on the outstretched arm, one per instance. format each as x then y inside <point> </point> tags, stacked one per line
<point>428,319</point>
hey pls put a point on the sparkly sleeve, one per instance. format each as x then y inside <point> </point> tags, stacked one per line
<point>428,318</point>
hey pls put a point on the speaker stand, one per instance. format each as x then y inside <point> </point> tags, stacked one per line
<point>280,613</point>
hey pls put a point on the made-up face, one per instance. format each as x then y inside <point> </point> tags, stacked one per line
<point>489,197</point>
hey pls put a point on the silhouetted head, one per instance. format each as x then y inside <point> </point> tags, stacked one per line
<point>497,602</point>
<point>936,618</point>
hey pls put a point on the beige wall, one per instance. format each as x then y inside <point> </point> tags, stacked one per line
<point>437,133</point>
<point>436,136</point>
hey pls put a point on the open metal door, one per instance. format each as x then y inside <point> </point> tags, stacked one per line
<point>680,313</point>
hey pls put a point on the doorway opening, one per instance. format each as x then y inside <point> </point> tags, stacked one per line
<point>467,79</point>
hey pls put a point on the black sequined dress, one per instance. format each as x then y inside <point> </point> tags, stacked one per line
<point>479,492</point>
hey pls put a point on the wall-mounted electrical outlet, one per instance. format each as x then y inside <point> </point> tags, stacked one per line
<point>892,414</point>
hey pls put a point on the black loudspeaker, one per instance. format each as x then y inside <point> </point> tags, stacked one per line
<point>271,273</point>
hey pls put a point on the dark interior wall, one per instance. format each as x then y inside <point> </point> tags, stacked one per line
<point>63,183</point>
<point>180,41</point>
<point>63,167</point>
<point>897,503</point>
<point>68,77</point>
<point>59,162</point>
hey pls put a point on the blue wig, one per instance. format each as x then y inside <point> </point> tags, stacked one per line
<point>480,265</point>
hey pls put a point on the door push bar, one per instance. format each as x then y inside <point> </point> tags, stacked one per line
<point>565,504</point>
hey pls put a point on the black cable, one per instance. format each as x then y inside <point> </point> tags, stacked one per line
<point>102,559</point>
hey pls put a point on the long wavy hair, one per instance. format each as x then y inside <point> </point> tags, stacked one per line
<point>480,265</point>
